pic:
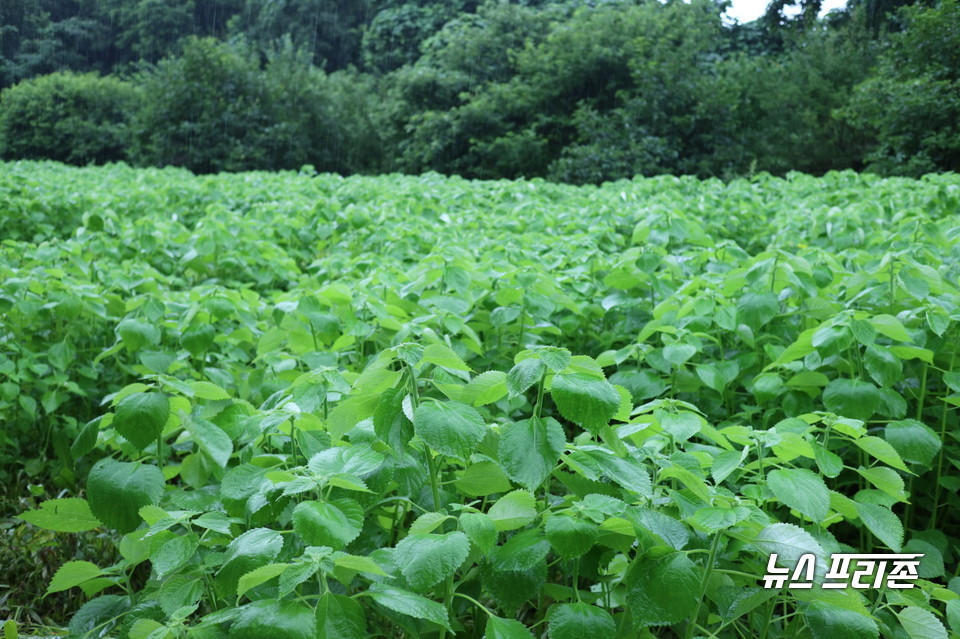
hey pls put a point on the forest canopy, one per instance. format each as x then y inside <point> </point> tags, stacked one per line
<point>580,91</point>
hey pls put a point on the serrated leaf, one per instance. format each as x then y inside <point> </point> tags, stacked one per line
<point>333,524</point>
<point>426,560</point>
<point>915,442</point>
<point>173,554</point>
<point>72,573</point>
<point>427,523</point>
<point>891,327</point>
<point>790,542</point>
<point>340,617</point>
<point>801,490</point>
<point>485,388</point>
<point>678,354</point>
<point>921,624</point>
<point>882,365</point>
<point>259,576</point>
<point>117,490</point>
<point>883,523</point>
<point>211,439</point>
<point>664,591</point>
<point>140,417</point>
<point>827,621</point>
<point>409,603</point>
<point>249,551</point>
<point>585,400</point>
<point>274,619</point>
<point>881,450</point>
<point>523,375</point>
<point>580,621</point>
<point>851,398</point>
<point>483,478</point>
<point>529,450</point>
<point>570,537</point>
<point>480,529</point>
<point>68,515</point>
<point>513,510</point>
<point>522,552</point>
<point>359,564</point>
<point>208,390</point>
<point>499,628</point>
<point>444,357</point>
<point>450,428</point>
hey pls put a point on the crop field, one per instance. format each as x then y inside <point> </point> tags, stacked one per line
<point>302,406</point>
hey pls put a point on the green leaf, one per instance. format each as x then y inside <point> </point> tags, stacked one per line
<point>117,490</point>
<point>585,400</point>
<point>173,554</point>
<point>915,442</point>
<point>530,449</point>
<point>523,551</point>
<point>340,617</point>
<point>921,624</point>
<point>485,388</point>
<point>499,628</point>
<point>726,462</point>
<point>408,603</point>
<point>208,390</point>
<point>483,478</point>
<point>790,542</point>
<point>851,398</point>
<point>714,518</point>
<point>359,564</point>
<point>72,573</point>
<point>881,450</point>
<point>211,439</point>
<point>829,463</point>
<point>444,357</point>
<point>68,515</point>
<point>136,334</point>
<point>10,630</point>
<point>882,365</point>
<point>249,551</point>
<point>827,621</point>
<point>274,619</point>
<point>664,591</point>
<point>570,537</point>
<point>628,473</point>
<point>883,524</point>
<point>523,375</point>
<point>259,576</point>
<point>480,530</point>
<point>555,358</point>
<point>891,327</point>
<point>678,353</point>
<point>427,523</point>
<point>140,417</point>
<point>333,524</point>
<point>682,425</point>
<point>802,490</point>
<point>513,510</point>
<point>886,479</point>
<point>450,428</point>
<point>580,621</point>
<point>756,309</point>
<point>426,560</point>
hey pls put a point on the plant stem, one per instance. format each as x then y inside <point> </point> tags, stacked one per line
<point>703,584</point>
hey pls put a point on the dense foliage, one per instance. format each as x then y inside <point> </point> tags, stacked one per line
<point>572,91</point>
<point>298,405</point>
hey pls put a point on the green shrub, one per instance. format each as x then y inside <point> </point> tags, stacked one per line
<point>73,118</point>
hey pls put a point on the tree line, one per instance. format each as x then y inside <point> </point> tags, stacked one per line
<point>579,91</point>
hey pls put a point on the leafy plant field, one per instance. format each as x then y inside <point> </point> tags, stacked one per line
<point>294,406</point>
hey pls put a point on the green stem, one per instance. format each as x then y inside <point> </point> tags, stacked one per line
<point>943,436</point>
<point>714,546</point>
